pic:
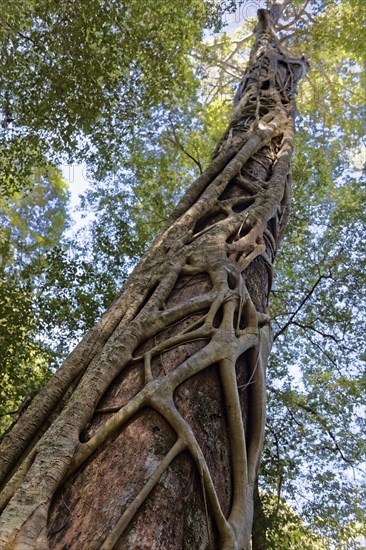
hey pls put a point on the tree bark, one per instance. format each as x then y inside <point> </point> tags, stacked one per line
<point>150,434</point>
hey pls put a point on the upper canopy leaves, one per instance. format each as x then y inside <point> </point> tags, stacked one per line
<point>78,77</point>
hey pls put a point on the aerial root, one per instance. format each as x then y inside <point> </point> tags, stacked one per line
<point>170,317</point>
<point>123,414</point>
<point>249,186</point>
<point>151,392</point>
<point>195,324</point>
<point>139,500</point>
<point>237,517</point>
<point>226,206</point>
<point>168,410</point>
<point>183,338</point>
<point>258,399</point>
<point>17,479</point>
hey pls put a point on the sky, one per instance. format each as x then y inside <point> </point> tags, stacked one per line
<point>244,10</point>
<point>75,175</point>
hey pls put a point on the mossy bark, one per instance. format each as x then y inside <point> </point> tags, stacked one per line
<point>150,434</point>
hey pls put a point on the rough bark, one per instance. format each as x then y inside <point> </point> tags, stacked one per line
<point>150,434</point>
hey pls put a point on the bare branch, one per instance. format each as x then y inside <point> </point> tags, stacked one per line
<point>180,146</point>
<point>302,303</point>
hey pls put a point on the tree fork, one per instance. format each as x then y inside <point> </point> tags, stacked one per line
<point>150,434</point>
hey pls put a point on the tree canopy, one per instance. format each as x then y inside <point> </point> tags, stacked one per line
<point>78,79</point>
<point>131,90</point>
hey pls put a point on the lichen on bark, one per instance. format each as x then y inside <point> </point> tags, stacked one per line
<point>158,416</point>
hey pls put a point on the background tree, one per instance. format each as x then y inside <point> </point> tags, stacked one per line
<point>31,227</point>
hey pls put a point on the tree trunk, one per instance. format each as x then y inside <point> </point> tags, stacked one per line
<point>150,434</point>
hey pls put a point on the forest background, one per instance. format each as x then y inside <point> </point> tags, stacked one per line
<point>144,116</point>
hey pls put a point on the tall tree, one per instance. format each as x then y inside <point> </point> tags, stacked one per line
<point>169,388</point>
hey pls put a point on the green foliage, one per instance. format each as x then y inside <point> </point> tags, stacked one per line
<point>31,226</point>
<point>333,38</point>
<point>316,373</point>
<point>285,529</point>
<point>23,366</point>
<point>79,78</point>
<point>18,157</point>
